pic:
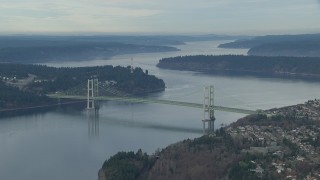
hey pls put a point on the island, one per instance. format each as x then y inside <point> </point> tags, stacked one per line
<point>287,67</point>
<point>283,145</point>
<point>23,85</point>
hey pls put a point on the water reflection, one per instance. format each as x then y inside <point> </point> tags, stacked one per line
<point>93,123</point>
<point>96,118</point>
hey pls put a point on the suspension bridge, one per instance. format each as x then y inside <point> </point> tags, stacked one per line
<point>93,92</point>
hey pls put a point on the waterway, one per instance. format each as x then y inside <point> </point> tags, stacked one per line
<point>67,143</point>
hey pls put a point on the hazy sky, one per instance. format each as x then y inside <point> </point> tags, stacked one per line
<point>160,16</point>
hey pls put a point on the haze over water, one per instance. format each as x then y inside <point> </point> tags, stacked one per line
<point>66,144</point>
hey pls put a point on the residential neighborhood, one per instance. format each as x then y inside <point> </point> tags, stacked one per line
<point>288,141</point>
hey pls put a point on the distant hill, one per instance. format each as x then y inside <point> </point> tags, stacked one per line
<point>164,40</point>
<point>306,45</point>
<point>259,40</point>
<point>297,49</point>
<point>39,49</point>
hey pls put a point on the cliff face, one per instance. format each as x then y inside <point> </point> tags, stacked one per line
<point>101,175</point>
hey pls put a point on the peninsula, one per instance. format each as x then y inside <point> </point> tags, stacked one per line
<point>27,85</point>
<point>285,145</point>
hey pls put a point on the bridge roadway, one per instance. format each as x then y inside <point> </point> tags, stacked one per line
<point>157,101</point>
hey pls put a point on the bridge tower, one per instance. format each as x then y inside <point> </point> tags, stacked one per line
<point>92,88</point>
<point>208,111</point>
<point>93,107</point>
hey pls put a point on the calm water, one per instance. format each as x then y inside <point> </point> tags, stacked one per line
<point>69,144</point>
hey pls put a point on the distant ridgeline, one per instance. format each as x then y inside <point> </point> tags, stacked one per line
<point>305,45</point>
<point>39,49</point>
<point>74,52</point>
<point>296,67</point>
<point>20,81</point>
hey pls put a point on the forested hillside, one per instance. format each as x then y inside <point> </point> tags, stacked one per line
<point>302,67</point>
<point>36,81</point>
<point>12,97</point>
<point>297,49</point>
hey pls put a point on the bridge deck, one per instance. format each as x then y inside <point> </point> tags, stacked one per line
<point>158,101</point>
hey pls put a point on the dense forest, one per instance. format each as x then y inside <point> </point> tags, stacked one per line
<point>305,45</point>
<point>37,80</point>
<point>12,97</point>
<point>126,165</point>
<point>297,67</point>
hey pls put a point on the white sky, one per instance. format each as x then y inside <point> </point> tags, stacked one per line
<point>160,16</point>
